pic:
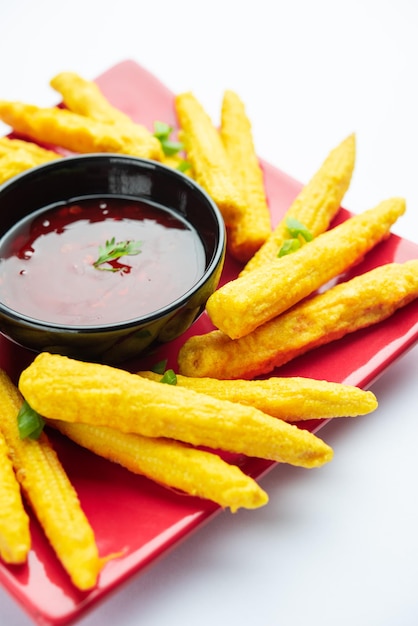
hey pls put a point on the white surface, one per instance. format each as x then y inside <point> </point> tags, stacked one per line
<point>338,545</point>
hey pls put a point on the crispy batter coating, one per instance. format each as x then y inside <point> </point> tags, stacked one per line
<point>208,157</point>
<point>39,154</point>
<point>17,161</point>
<point>345,308</point>
<point>316,204</point>
<point>76,132</point>
<point>253,299</point>
<point>85,98</point>
<point>292,399</point>
<point>50,493</point>
<point>15,540</point>
<point>170,463</point>
<point>251,229</point>
<point>62,388</point>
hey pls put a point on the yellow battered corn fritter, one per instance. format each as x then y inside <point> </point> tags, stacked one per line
<point>15,540</point>
<point>50,494</point>
<point>251,228</point>
<point>62,388</point>
<point>75,132</point>
<point>292,399</point>
<point>170,463</point>
<point>345,308</point>
<point>317,203</point>
<point>243,304</point>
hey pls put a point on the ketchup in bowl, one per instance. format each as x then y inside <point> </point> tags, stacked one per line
<point>98,260</point>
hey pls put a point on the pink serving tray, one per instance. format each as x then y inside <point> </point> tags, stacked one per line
<point>131,514</point>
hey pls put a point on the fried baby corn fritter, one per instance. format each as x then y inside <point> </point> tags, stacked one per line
<point>15,540</point>
<point>170,463</point>
<point>317,203</point>
<point>62,388</point>
<point>251,229</point>
<point>85,98</point>
<point>207,155</point>
<point>75,132</point>
<point>50,494</point>
<point>291,399</point>
<point>253,299</point>
<point>17,156</point>
<point>39,154</point>
<point>345,308</point>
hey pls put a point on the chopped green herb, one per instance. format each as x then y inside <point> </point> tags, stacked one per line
<point>297,229</point>
<point>183,166</point>
<point>170,148</point>
<point>297,232</point>
<point>169,378</point>
<point>289,246</point>
<point>112,251</point>
<point>29,422</point>
<point>159,368</point>
<point>162,132</point>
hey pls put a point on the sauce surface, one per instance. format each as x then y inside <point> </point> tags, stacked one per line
<point>47,262</point>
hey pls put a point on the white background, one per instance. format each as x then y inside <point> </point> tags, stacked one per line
<point>336,546</point>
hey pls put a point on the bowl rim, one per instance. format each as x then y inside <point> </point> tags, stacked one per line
<point>178,303</point>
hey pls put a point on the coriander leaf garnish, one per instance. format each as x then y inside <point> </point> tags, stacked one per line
<point>112,251</point>
<point>29,422</point>
<point>162,132</point>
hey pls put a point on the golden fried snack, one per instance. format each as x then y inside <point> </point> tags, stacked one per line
<point>170,463</point>
<point>18,161</point>
<point>316,204</point>
<point>50,493</point>
<point>291,399</point>
<point>75,132</point>
<point>73,391</point>
<point>39,154</point>
<point>85,98</point>
<point>15,540</point>
<point>253,299</point>
<point>345,308</point>
<point>208,157</point>
<point>251,229</point>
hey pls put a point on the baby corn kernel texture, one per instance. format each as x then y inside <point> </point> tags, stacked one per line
<point>15,540</point>
<point>50,494</point>
<point>170,463</point>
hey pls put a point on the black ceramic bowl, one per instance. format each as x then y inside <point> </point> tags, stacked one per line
<point>72,179</point>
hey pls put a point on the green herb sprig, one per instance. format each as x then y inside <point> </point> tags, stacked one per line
<point>113,250</point>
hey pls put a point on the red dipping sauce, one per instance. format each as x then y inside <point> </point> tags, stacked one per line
<point>47,261</point>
